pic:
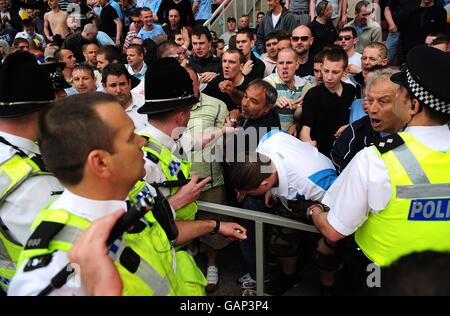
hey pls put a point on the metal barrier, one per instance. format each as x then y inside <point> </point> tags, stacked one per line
<point>260,219</point>
<point>235,8</point>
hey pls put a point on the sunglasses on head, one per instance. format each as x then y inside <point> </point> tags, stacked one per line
<point>300,38</point>
<point>346,37</point>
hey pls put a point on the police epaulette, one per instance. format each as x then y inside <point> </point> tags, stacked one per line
<point>388,143</point>
<point>43,234</point>
<point>38,262</point>
<point>152,157</point>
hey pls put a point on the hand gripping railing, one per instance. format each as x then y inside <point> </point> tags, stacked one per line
<point>260,219</point>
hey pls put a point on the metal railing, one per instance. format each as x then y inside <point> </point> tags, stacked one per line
<point>260,219</point>
<point>235,8</point>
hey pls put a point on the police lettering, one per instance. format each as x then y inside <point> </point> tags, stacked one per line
<point>429,210</point>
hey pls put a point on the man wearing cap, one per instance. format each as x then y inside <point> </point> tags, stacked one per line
<point>26,185</point>
<point>395,195</point>
<point>231,30</point>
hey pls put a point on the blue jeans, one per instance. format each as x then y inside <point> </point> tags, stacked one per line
<point>392,46</point>
<point>248,246</point>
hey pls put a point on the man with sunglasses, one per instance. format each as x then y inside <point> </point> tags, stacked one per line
<point>301,41</point>
<point>347,39</point>
<point>368,30</point>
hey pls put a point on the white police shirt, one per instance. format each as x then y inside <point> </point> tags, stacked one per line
<point>303,172</point>
<point>364,186</point>
<point>33,282</point>
<point>20,208</point>
<point>139,120</point>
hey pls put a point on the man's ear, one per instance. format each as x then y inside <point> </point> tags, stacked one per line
<point>98,163</point>
<point>265,184</point>
<point>415,107</point>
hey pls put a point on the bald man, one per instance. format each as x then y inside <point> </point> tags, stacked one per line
<point>75,41</point>
<point>301,41</point>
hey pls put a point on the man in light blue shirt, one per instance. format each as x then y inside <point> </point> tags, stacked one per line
<point>202,10</point>
<point>150,29</point>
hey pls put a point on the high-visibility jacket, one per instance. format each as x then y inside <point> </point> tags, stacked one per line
<point>174,169</point>
<point>13,173</point>
<point>143,257</point>
<point>417,217</point>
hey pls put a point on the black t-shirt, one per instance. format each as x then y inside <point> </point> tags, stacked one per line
<point>250,128</point>
<point>324,34</point>
<point>107,24</point>
<point>209,64</point>
<point>184,8</point>
<point>75,43</point>
<point>325,112</point>
<point>401,9</point>
<point>306,69</point>
<point>258,69</point>
<point>8,34</point>
<point>212,89</point>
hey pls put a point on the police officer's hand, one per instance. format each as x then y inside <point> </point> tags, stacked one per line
<point>188,193</point>
<point>90,253</point>
<point>233,231</point>
<point>206,77</point>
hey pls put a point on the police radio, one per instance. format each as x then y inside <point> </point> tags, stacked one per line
<point>145,202</point>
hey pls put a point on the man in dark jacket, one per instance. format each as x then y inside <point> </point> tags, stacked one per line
<point>277,18</point>
<point>384,118</point>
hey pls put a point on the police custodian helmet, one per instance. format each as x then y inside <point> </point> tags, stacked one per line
<point>25,87</point>
<point>427,77</point>
<point>168,86</point>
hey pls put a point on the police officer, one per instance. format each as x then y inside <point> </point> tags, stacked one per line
<point>98,167</point>
<point>169,98</point>
<point>395,195</point>
<point>26,186</point>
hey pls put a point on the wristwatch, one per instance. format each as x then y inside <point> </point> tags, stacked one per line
<point>216,229</point>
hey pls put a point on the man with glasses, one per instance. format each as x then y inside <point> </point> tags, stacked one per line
<point>348,39</point>
<point>368,30</point>
<point>301,41</point>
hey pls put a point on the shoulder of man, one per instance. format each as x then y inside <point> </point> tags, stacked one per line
<point>389,143</point>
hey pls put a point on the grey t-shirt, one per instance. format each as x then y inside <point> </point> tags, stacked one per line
<point>298,5</point>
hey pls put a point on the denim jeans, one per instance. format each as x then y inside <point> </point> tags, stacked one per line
<point>392,46</point>
<point>248,246</point>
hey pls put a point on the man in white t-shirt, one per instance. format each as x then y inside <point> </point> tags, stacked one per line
<point>117,81</point>
<point>296,173</point>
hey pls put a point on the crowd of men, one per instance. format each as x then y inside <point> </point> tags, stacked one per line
<point>317,113</point>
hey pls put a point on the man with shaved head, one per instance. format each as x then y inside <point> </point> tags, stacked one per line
<point>301,41</point>
<point>75,41</point>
